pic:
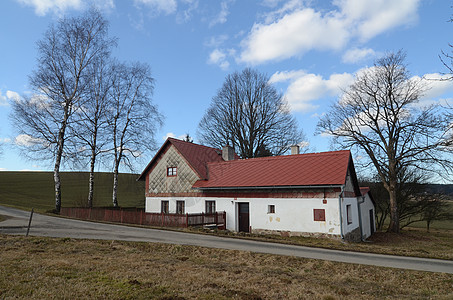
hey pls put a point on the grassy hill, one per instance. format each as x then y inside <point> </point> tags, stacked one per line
<point>36,189</point>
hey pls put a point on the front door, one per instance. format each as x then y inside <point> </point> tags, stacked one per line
<point>244,220</point>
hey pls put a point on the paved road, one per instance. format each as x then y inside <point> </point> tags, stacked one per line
<point>43,225</point>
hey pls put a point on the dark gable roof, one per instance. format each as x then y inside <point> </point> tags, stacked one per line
<point>197,156</point>
<point>312,169</point>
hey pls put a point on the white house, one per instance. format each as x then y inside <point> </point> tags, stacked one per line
<point>297,194</point>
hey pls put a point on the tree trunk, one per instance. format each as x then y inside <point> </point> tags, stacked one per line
<point>91,183</point>
<point>115,186</point>
<point>394,217</point>
<point>59,154</point>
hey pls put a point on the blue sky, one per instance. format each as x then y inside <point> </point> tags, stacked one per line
<point>309,49</point>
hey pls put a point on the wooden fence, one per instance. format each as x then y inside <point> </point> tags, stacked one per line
<point>139,216</point>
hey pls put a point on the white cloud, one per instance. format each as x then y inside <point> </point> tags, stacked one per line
<point>437,85</point>
<point>159,6</point>
<point>293,35</point>
<point>304,89</point>
<point>5,140</point>
<point>27,140</point>
<point>370,18</point>
<point>42,7</point>
<point>13,96</point>
<point>218,57</point>
<point>356,55</point>
<point>172,135</point>
<point>3,100</point>
<point>3,169</point>
<point>294,29</point>
<point>221,18</point>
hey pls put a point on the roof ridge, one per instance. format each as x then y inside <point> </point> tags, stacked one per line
<point>292,156</point>
<point>191,143</point>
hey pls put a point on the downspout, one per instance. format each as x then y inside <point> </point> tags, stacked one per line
<point>341,214</point>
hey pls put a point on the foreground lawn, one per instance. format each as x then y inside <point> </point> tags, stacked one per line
<point>44,268</point>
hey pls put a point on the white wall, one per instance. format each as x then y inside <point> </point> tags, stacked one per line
<point>347,228</point>
<point>365,208</point>
<point>291,214</point>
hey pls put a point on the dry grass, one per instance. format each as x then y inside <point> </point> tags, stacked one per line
<point>49,268</point>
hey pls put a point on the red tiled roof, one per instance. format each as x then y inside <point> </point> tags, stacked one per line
<point>196,155</point>
<point>313,169</point>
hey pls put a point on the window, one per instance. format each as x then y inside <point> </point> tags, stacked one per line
<point>171,171</point>
<point>180,207</point>
<point>164,207</point>
<point>319,214</point>
<point>271,209</point>
<point>349,213</point>
<point>210,207</point>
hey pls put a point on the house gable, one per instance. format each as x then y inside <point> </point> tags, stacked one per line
<point>158,181</point>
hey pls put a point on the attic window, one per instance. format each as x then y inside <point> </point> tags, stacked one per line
<point>171,171</point>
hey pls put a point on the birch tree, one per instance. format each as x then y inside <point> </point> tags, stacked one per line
<point>380,115</point>
<point>249,114</point>
<point>90,127</point>
<point>58,84</point>
<point>133,118</point>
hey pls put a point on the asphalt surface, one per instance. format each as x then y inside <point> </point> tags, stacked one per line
<point>43,225</point>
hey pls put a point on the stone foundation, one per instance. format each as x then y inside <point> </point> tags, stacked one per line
<point>295,233</point>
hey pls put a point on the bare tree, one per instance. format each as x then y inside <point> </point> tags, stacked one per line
<point>133,118</point>
<point>58,85</point>
<point>379,115</point>
<point>251,116</point>
<point>90,126</point>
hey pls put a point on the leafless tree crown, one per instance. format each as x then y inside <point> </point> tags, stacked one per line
<point>380,115</point>
<point>251,116</point>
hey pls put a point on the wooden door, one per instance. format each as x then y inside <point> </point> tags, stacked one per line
<point>244,217</point>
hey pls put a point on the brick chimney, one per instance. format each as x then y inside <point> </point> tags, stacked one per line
<point>227,153</point>
<point>294,149</point>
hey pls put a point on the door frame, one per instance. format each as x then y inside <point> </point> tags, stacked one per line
<point>240,218</point>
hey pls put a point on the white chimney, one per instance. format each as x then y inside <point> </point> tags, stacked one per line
<point>294,149</point>
<point>227,153</point>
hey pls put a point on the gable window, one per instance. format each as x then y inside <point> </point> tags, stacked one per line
<point>210,207</point>
<point>164,207</point>
<point>319,214</point>
<point>180,207</point>
<point>349,213</point>
<point>171,171</point>
<point>271,209</point>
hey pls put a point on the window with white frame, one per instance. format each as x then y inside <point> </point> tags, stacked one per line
<point>171,171</point>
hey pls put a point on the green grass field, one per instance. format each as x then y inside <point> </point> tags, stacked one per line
<point>36,190</point>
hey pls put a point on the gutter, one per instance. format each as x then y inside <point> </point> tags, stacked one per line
<point>360,216</point>
<point>341,213</point>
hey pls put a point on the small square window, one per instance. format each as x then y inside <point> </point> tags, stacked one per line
<point>180,207</point>
<point>319,214</point>
<point>171,171</point>
<point>271,209</point>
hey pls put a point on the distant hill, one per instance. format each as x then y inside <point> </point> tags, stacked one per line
<point>445,189</point>
<point>36,189</point>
